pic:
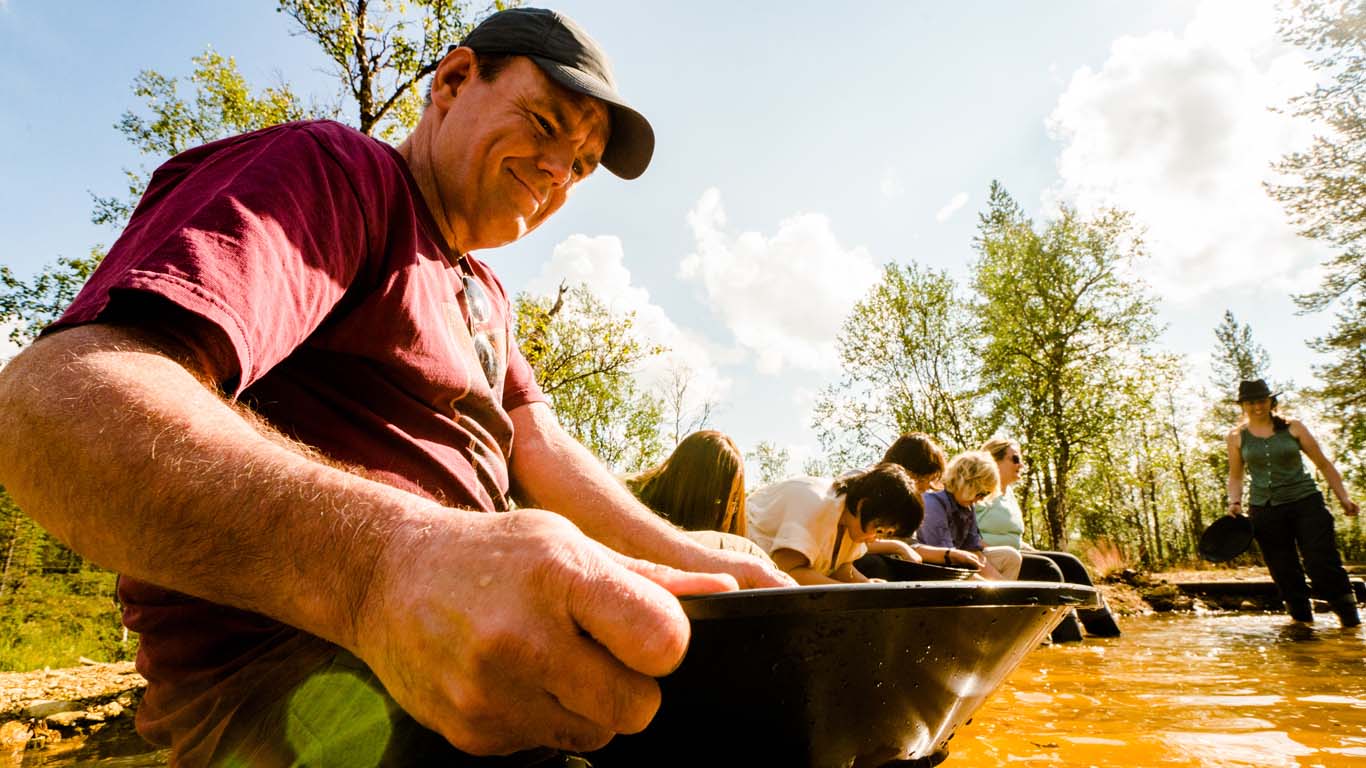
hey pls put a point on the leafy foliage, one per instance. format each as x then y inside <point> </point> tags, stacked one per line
<point>1236,356</point>
<point>1323,191</point>
<point>54,619</point>
<point>221,105</point>
<point>1065,324</point>
<point>773,462</point>
<point>29,306</point>
<point>585,357</point>
<point>907,353</point>
<point>381,53</point>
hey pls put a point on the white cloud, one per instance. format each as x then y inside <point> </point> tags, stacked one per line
<point>951,207</point>
<point>8,349</point>
<point>1179,130</point>
<point>891,186</point>
<point>598,262</point>
<point>783,296</point>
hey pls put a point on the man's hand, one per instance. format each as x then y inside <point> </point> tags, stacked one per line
<point>748,571</point>
<point>506,632</point>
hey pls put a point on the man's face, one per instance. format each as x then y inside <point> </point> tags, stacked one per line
<point>508,153</point>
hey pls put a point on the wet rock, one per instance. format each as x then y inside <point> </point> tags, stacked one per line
<point>47,708</point>
<point>109,710</point>
<point>1164,597</point>
<point>15,734</point>
<point>69,720</point>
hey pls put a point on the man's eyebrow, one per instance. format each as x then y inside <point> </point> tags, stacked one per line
<point>561,122</point>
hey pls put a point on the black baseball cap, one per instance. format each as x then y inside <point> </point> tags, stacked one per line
<point>565,52</point>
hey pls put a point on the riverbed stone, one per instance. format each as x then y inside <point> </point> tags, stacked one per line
<point>46,708</point>
<point>68,720</point>
<point>15,733</point>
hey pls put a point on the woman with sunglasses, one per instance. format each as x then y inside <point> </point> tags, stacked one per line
<point>950,522</point>
<point>1288,510</point>
<point>1002,524</point>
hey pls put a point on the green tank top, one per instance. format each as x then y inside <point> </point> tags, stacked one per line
<point>1277,472</point>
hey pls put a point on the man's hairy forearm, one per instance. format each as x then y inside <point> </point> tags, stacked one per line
<point>552,471</point>
<point>122,452</point>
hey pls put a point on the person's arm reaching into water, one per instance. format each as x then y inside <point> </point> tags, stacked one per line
<point>551,470</point>
<point>499,631</point>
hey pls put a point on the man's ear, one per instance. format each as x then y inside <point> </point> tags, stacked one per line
<point>454,71</point>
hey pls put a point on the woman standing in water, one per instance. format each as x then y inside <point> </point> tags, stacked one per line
<point>1288,509</point>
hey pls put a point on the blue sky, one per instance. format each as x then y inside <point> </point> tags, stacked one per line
<point>800,146</point>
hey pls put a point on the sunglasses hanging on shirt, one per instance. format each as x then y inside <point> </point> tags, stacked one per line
<point>478,310</point>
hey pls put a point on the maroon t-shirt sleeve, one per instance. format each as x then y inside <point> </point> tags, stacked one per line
<point>259,235</point>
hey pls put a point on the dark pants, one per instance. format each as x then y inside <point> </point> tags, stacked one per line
<point>1073,572</point>
<point>1301,529</point>
<point>1065,568</point>
<point>1034,566</point>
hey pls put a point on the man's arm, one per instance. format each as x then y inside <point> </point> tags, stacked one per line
<point>551,470</point>
<point>501,632</point>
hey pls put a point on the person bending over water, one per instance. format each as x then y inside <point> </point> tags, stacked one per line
<point>1287,507</point>
<point>700,488</point>
<point>950,522</point>
<point>815,528</point>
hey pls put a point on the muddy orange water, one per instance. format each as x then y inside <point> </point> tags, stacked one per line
<point>1213,690</point>
<point>1228,690</point>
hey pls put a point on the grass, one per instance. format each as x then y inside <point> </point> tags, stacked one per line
<point>52,620</point>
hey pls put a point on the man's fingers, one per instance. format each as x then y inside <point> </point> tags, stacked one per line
<point>598,688</point>
<point>636,619</point>
<point>676,581</point>
<point>539,721</point>
<point>760,574</point>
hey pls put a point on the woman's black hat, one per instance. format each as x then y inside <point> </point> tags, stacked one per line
<point>1254,390</point>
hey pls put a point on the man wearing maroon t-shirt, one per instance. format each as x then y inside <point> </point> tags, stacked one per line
<point>288,401</point>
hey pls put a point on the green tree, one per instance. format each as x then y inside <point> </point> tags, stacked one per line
<point>585,357</point>
<point>220,104</point>
<point>907,354</point>
<point>29,305</point>
<point>1066,323</point>
<point>382,52</point>
<point>1323,191</point>
<point>1236,356</point>
<point>772,461</point>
